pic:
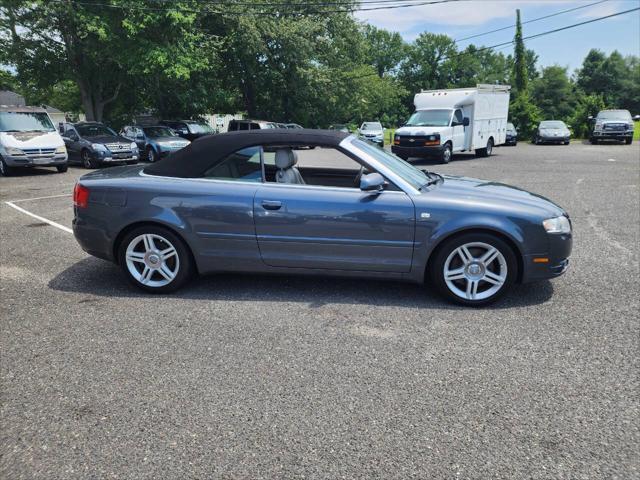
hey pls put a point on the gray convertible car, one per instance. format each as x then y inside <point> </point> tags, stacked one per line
<point>242,202</point>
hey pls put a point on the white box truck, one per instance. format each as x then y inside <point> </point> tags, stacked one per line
<point>29,139</point>
<point>454,120</point>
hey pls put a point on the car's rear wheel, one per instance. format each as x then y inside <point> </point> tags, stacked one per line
<point>155,259</point>
<point>474,269</point>
<point>486,151</point>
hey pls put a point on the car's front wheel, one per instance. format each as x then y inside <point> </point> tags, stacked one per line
<point>87,161</point>
<point>62,168</point>
<point>5,170</point>
<point>155,259</point>
<point>628,141</point>
<point>474,269</point>
<point>152,156</point>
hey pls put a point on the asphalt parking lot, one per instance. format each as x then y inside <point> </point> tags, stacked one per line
<point>288,377</point>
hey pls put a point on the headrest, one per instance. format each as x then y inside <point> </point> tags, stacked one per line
<point>285,158</point>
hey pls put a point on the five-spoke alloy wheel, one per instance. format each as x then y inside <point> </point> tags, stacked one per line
<point>155,259</point>
<point>474,269</point>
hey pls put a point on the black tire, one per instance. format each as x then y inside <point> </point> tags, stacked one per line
<point>152,156</point>
<point>184,266</point>
<point>593,141</point>
<point>628,141</point>
<point>404,157</point>
<point>486,151</point>
<point>87,161</point>
<point>62,168</point>
<point>567,142</point>
<point>448,248</point>
<point>445,156</point>
<point>5,170</point>
<point>536,141</point>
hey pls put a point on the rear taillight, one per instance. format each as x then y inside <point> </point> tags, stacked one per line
<point>80,196</point>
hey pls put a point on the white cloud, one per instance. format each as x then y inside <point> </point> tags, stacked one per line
<point>601,10</point>
<point>456,14</point>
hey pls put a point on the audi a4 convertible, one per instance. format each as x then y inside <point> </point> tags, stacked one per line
<point>256,201</point>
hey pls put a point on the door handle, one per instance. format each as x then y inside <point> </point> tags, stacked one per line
<point>271,204</point>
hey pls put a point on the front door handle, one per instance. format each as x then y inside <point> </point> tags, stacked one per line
<point>271,204</point>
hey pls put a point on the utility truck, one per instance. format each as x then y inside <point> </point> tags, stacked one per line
<point>455,120</point>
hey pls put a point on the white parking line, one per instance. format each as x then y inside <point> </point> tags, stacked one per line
<point>40,198</point>
<point>38,217</point>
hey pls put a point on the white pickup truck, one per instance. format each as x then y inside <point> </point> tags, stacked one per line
<point>454,120</point>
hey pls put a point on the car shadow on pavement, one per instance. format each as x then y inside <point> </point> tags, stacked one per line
<point>96,277</point>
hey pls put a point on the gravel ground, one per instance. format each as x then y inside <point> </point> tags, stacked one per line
<point>286,377</point>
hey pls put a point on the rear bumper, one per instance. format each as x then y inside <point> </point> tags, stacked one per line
<point>417,151</point>
<point>93,240</point>
<point>560,247</point>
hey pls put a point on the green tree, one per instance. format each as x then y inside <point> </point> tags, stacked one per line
<point>384,50</point>
<point>587,105</point>
<point>554,94</point>
<point>520,77</point>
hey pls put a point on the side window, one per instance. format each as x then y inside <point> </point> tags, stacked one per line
<point>243,165</point>
<point>255,126</point>
<point>457,118</point>
<point>243,126</point>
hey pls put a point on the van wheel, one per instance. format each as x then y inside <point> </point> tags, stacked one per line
<point>5,170</point>
<point>62,168</point>
<point>486,151</point>
<point>445,156</point>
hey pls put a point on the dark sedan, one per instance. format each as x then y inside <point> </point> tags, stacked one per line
<point>511,137</point>
<point>240,202</point>
<point>93,144</point>
<point>552,131</point>
<point>155,141</point>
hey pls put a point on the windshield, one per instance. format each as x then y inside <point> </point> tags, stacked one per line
<point>25,122</point>
<point>557,124</point>
<point>155,132</point>
<point>371,126</point>
<point>511,127</point>
<point>614,115</point>
<point>416,178</point>
<point>94,131</point>
<point>199,128</point>
<point>430,118</point>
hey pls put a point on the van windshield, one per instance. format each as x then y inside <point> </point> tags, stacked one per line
<point>25,122</point>
<point>430,118</point>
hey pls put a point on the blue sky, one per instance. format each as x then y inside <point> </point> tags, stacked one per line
<point>567,48</point>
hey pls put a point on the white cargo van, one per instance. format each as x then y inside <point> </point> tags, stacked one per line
<point>29,139</point>
<point>455,120</point>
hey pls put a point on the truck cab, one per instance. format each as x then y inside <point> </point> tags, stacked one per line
<point>454,120</point>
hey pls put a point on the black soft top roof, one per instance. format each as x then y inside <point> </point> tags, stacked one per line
<point>193,160</point>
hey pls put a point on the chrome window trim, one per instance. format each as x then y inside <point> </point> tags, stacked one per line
<point>347,144</point>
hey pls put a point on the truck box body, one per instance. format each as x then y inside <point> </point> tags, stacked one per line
<point>441,118</point>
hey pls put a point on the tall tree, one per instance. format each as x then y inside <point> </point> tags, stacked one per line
<point>384,50</point>
<point>554,94</point>
<point>520,77</point>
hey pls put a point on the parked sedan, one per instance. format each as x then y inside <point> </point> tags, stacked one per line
<point>552,131</point>
<point>239,202</point>
<point>93,144</point>
<point>155,141</point>
<point>512,135</point>
<point>189,129</point>
<point>372,131</point>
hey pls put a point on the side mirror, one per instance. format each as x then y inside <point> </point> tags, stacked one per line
<point>465,122</point>
<point>636,118</point>
<point>590,118</point>
<point>372,182</point>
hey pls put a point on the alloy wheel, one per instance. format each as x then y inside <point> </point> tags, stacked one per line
<point>475,271</point>
<point>152,260</point>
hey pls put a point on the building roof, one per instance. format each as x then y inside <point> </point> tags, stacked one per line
<point>193,160</point>
<point>8,97</point>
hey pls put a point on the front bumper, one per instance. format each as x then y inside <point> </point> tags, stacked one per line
<point>511,140</point>
<point>422,151</point>
<point>612,134</point>
<point>377,140</point>
<point>560,247</point>
<point>111,157</point>
<point>27,162</point>
<point>553,139</point>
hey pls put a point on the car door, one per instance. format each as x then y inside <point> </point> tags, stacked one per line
<point>315,227</point>
<point>458,133</point>
<point>72,142</point>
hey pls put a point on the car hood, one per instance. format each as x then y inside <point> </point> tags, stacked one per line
<point>472,193</point>
<point>169,139</point>
<point>108,139</point>
<point>411,131</point>
<point>31,139</point>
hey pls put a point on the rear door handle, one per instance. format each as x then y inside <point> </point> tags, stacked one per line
<point>271,204</point>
